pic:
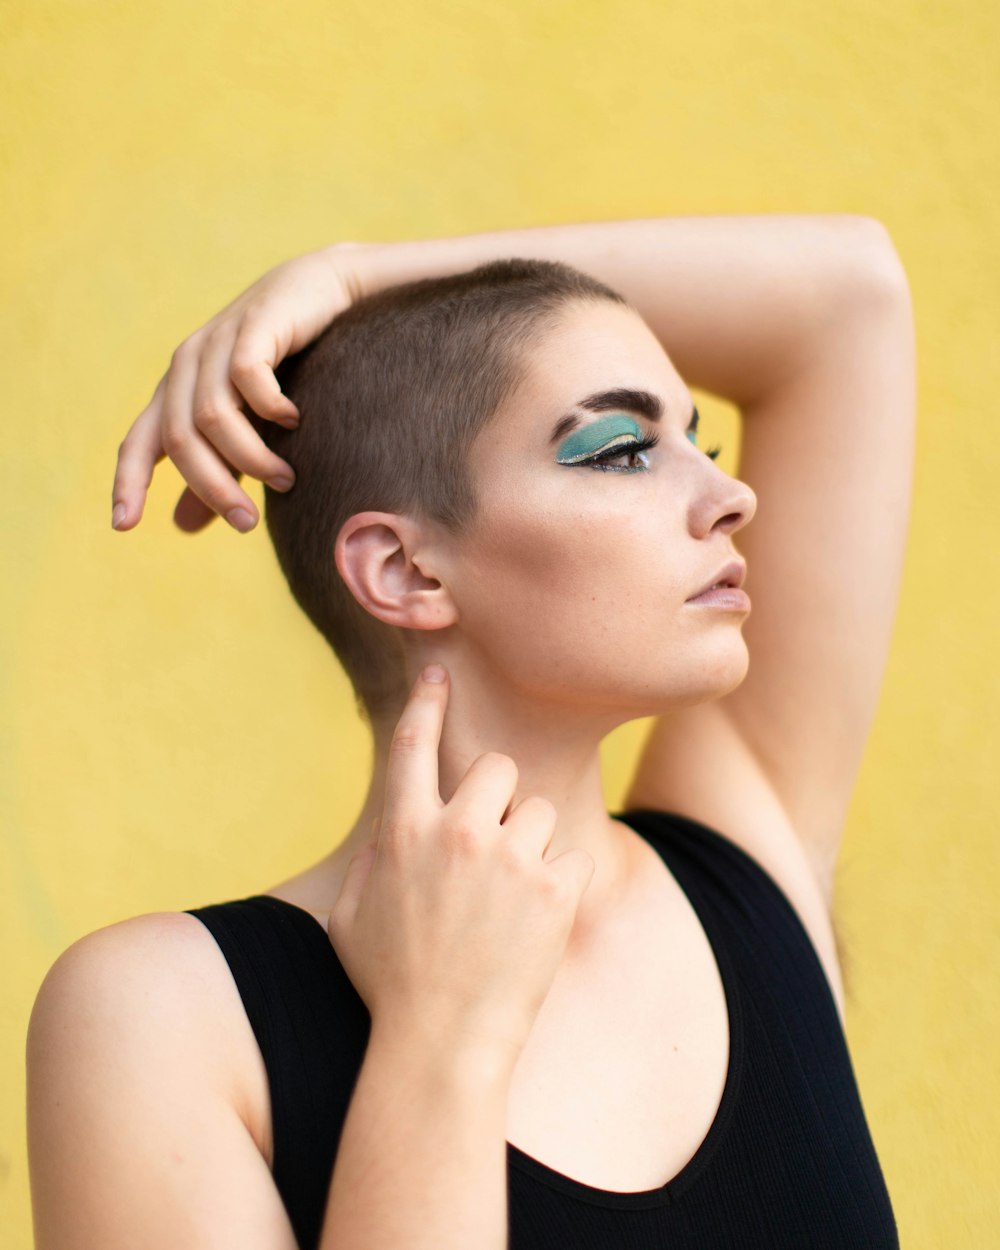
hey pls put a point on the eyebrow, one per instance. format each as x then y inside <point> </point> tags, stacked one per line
<point>620,398</point>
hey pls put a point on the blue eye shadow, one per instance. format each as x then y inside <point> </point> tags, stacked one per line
<point>611,431</point>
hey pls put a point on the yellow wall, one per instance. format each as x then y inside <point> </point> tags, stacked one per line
<point>174,730</point>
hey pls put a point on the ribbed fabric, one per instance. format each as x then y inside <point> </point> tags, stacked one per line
<point>788,1163</point>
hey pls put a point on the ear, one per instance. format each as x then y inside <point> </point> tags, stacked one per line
<point>387,561</point>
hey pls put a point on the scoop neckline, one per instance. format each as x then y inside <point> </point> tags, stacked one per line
<point>662,1195</point>
<point>670,1191</point>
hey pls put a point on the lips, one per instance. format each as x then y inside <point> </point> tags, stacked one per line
<point>731,574</point>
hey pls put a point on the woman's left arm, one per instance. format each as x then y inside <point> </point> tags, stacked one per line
<point>805,323</point>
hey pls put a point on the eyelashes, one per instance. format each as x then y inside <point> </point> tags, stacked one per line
<point>602,459</point>
<point>637,446</point>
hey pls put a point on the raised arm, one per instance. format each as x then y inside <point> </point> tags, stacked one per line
<point>804,322</point>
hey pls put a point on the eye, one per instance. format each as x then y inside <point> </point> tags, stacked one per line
<point>692,433</point>
<point>713,454</point>
<point>603,461</point>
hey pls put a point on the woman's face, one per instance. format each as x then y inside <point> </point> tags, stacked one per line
<point>572,580</point>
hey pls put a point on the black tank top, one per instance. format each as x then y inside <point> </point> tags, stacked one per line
<point>787,1163</point>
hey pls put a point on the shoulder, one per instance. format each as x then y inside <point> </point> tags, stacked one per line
<point>142,966</point>
<point>135,1060</point>
<point>154,993</point>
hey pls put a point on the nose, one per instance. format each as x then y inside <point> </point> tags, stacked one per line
<point>726,506</point>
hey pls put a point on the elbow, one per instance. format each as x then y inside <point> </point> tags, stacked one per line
<point>873,265</point>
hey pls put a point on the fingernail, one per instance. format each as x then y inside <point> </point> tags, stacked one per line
<point>434,672</point>
<point>240,519</point>
<point>280,483</point>
<point>118,515</point>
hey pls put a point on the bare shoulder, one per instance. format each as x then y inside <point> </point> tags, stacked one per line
<point>137,1044</point>
<point>163,980</point>
<point>713,777</point>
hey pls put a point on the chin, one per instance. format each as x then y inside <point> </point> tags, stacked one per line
<point>701,680</point>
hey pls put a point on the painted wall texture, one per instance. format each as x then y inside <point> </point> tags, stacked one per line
<point>175,731</point>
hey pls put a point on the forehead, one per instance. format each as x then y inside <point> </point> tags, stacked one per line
<point>593,346</point>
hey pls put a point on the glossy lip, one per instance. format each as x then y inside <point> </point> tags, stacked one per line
<point>731,574</point>
<point>729,597</point>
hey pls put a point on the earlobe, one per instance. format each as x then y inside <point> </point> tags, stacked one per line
<point>379,556</point>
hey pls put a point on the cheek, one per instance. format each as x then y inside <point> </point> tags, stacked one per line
<point>568,595</point>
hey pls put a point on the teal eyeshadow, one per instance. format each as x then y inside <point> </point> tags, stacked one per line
<point>597,436</point>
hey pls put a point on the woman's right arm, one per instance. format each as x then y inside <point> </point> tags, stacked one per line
<point>451,924</point>
<point>135,1131</point>
<point>422,1160</point>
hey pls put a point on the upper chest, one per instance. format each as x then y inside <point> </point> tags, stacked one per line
<point>624,1070</point>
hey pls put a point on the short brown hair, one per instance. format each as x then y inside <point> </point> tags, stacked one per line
<point>392,395</point>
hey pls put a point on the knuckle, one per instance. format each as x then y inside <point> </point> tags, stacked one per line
<point>517,854</point>
<point>461,834</point>
<point>540,810</point>
<point>551,887</point>
<point>254,312</point>
<point>218,498</point>
<point>183,351</point>
<point>393,839</point>
<point>208,415</point>
<point>173,440</point>
<point>544,808</point>
<point>405,740</point>
<point>496,761</point>
<point>241,366</point>
<point>219,333</point>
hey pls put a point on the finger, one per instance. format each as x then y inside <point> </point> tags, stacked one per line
<point>196,460</point>
<point>411,780</point>
<point>217,415</point>
<point>533,824</point>
<point>190,514</point>
<point>488,786</point>
<point>352,886</point>
<point>576,868</point>
<point>138,454</point>
<point>256,351</point>
<point>212,481</point>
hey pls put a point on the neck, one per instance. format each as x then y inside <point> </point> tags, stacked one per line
<point>556,749</point>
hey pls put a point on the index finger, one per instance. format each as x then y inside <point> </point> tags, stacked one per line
<point>411,778</point>
<point>138,455</point>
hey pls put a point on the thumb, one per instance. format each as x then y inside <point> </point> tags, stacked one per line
<point>575,866</point>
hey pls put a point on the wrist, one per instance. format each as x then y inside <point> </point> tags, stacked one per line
<point>447,1061</point>
<point>375,266</point>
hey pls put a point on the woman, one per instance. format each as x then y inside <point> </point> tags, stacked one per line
<point>520,1019</point>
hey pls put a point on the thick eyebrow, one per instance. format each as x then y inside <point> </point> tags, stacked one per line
<point>622,398</point>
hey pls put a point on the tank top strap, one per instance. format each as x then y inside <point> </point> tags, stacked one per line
<point>312,1028</point>
<point>741,898</point>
